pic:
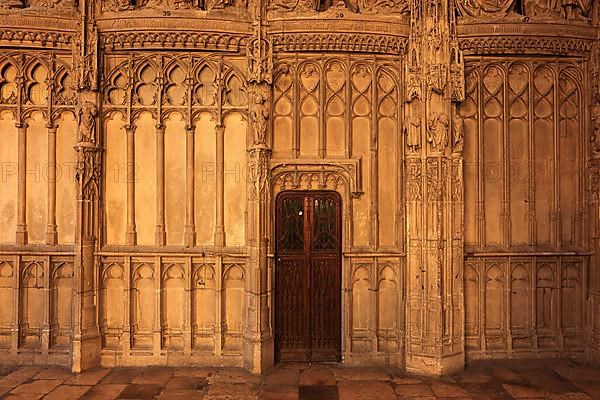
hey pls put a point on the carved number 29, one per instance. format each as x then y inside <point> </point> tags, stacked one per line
<point>166,13</point>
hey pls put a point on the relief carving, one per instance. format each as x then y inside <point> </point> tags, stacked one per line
<point>7,4</point>
<point>124,5</point>
<point>294,5</point>
<point>413,132</point>
<point>485,8</point>
<point>567,9</point>
<point>438,131</point>
<point>259,114</point>
<point>457,130</point>
<point>87,123</point>
<point>356,6</point>
<point>53,4</point>
<point>595,137</point>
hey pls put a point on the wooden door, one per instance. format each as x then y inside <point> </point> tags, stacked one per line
<point>308,277</point>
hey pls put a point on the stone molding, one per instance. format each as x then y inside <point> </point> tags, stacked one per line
<point>529,38</point>
<point>36,38</point>
<point>318,174</point>
<point>350,42</point>
<point>146,40</point>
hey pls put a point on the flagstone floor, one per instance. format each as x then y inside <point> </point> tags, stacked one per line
<point>555,380</point>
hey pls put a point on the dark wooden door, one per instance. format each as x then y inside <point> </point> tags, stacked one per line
<point>308,277</point>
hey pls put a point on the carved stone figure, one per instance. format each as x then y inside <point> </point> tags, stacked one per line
<point>11,4</point>
<point>383,6</point>
<point>413,133</point>
<point>576,9</point>
<point>567,9</point>
<point>457,131</point>
<point>294,5</point>
<point>488,8</point>
<point>87,123</point>
<point>595,138</point>
<point>259,116</point>
<point>52,4</point>
<point>116,5</point>
<point>219,4</point>
<point>438,131</point>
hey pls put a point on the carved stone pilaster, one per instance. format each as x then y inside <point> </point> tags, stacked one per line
<point>594,201</point>
<point>86,344</point>
<point>86,339</point>
<point>434,144</point>
<point>258,349</point>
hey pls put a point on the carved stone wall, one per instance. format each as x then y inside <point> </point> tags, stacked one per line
<point>143,144</point>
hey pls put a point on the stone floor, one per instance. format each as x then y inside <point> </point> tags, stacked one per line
<point>555,380</point>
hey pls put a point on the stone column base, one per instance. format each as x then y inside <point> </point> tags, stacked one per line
<point>260,355</point>
<point>85,353</point>
<point>435,365</point>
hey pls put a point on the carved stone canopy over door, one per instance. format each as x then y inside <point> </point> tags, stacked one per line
<point>308,277</point>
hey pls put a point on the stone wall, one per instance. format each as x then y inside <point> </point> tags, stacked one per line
<point>144,144</point>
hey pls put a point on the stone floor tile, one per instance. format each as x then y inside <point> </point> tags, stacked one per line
<point>24,396</point>
<point>54,373</point>
<point>67,392</point>
<point>41,386</point>
<point>486,391</point>
<point>141,391</point>
<point>179,394</point>
<point>153,375</point>
<point>5,389</point>
<point>591,388</point>
<point>420,389</point>
<point>121,375</point>
<point>570,396</point>
<point>187,383</point>
<point>104,392</point>
<point>283,377</point>
<point>549,382</point>
<point>232,389</point>
<point>7,369</point>
<point>522,391</point>
<point>362,374</point>
<point>507,375</point>
<point>279,396</point>
<point>236,375</point>
<point>574,372</point>
<point>448,390</point>
<point>317,376</point>
<point>90,377</point>
<point>473,377</point>
<point>318,392</point>
<point>195,372</point>
<point>279,389</point>
<point>403,380</point>
<point>19,376</point>
<point>365,390</point>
